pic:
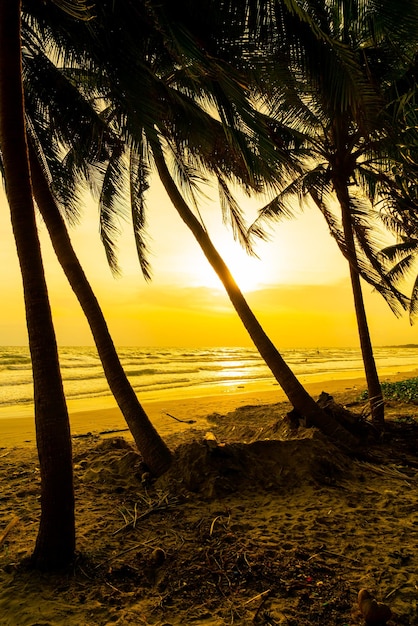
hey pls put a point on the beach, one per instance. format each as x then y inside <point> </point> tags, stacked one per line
<point>263,526</point>
<point>186,383</point>
<point>96,415</point>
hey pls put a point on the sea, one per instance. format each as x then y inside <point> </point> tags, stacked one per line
<point>154,372</point>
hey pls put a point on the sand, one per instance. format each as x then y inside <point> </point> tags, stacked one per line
<point>268,526</point>
<point>96,415</point>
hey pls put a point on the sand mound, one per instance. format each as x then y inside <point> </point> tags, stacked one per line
<point>214,470</point>
<point>113,463</point>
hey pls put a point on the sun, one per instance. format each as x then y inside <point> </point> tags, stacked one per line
<point>248,271</point>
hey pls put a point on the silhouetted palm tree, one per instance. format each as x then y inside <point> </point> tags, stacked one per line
<point>61,120</point>
<point>176,80</point>
<point>348,137</point>
<point>55,543</point>
<point>154,451</point>
<point>170,108</point>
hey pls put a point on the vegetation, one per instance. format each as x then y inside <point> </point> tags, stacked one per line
<point>404,390</point>
<point>56,128</point>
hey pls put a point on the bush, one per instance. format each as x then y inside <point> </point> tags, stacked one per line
<point>405,390</point>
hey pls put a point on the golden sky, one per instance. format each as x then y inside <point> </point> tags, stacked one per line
<point>298,287</point>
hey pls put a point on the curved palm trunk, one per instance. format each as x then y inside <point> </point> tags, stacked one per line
<point>294,390</point>
<point>55,543</point>
<point>154,451</point>
<point>377,406</point>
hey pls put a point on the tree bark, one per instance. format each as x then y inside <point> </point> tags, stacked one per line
<point>294,390</point>
<point>154,451</point>
<point>377,406</point>
<point>55,545</point>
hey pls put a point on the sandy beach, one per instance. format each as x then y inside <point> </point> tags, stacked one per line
<point>269,526</point>
<point>96,415</point>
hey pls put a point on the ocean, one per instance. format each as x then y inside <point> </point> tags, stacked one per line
<point>155,371</point>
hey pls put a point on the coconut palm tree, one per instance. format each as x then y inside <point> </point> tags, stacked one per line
<point>196,149</point>
<point>59,118</point>
<point>399,207</point>
<point>179,84</point>
<point>294,390</point>
<point>348,138</point>
<point>55,543</point>
<point>154,451</point>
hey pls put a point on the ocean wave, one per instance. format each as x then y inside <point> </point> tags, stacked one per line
<point>170,368</point>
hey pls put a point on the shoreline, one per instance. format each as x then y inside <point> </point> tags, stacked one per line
<point>95,415</point>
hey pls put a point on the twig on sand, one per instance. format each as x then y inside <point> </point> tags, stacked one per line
<point>340,556</point>
<point>264,597</point>
<point>392,592</point>
<point>258,596</point>
<point>109,431</point>
<point>116,556</point>
<point>8,528</point>
<point>179,420</point>
<point>161,504</point>
<point>218,517</point>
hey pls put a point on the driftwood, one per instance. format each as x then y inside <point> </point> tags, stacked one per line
<point>352,422</point>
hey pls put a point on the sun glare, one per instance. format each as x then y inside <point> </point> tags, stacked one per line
<point>247,272</point>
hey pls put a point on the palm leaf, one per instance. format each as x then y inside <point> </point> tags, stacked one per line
<point>413,310</point>
<point>232,214</point>
<point>111,206</point>
<point>139,176</point>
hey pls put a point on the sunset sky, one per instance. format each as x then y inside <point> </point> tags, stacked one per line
<point>298,288</point>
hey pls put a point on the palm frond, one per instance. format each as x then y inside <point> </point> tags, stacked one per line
<point>399,250</point>
<point>413,309</point>
<point>111,206</point>
<point>187,176</point>
<point>139,185</point>
<point>232,214</point>
<point>401,268</point>
<point>79,9</point>
<point>314,182</point>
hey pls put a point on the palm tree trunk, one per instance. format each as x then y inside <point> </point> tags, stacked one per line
<point>154,451</point>
<point>377,406</point>
<point>55,543</point>
<point>294,390</point>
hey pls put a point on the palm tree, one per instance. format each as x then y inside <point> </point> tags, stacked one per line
<point>154,451</point>
<point>55,544</point>
<point>238,146</point>
<point>179,76</point>
<point>399,205</point>
<point>60,118</point>
<point>294,390</point>
<point>348,139</point>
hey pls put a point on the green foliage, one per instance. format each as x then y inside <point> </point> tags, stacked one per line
<point>405,390</point>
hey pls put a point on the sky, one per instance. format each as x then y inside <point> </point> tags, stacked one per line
<point>298,286</point>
